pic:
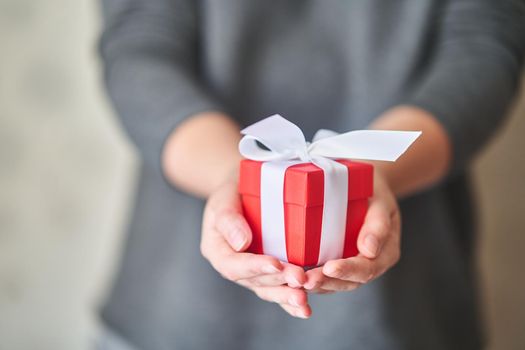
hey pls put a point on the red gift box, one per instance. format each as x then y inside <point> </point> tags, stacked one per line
<point>303,207</point>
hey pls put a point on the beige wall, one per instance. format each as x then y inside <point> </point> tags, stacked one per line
<point>500,180</point>
<point>66,174</point>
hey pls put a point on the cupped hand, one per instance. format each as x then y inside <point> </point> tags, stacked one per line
<point>378,244</point>
<point>225,238</point>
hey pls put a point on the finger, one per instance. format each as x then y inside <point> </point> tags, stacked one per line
<point>336,285</point>
<point>292,275</point>
<point>303,312</point>
<point>235,266</point>
<point>320,283</point>
<point>361,269</point>
<point>314,278</point>
<point>282,295</point>
<point>375,229</point>
<point>272,280</point>
<point>235,230</point>
<point>226,260</point>
<point>321,291</point>
<point>357,269</point>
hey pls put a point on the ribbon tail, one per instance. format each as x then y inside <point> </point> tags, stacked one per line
<point>365,144</point>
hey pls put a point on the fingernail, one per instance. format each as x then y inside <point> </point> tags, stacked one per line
<point>301,314</point>
<point>309,285</point>
<point>293,301</point>
<point>270,269</point>
<point>238,240</point>
<point>371,244</point>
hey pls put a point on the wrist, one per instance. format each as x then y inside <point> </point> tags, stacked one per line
<point>202,153</point>
<point>424,164</point>
<point>382,178</point>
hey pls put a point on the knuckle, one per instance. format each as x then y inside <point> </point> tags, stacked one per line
<point>327,291</point>
<point>252,271</point>
<point>259,293</point>
<point>373,274</point>
<point>224,275</point>
<point>355,286</point>
<point>343,287</point>
<point>264,295</point>
<point>348,287</point>
<point>256,282</point>
<point>234,278</point>
<point>368,278</point>
<point>245,284</point>
<point>336,287</point>
<point>204,250</point>
<point>229,275</point>
<point>368,275</point>
<point>397,256</point>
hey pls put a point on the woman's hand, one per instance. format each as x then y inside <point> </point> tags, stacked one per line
<point>379,240</point>
<point>378,244</point>
<point>225,237</point>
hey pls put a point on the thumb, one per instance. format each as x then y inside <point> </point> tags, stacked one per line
<point>235,230</point>
<point>375,230</point>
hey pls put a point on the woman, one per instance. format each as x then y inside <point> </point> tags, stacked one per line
<point>185,75</point>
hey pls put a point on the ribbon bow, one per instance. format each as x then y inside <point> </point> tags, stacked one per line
<point>285,141</point>
<point>287,146</point>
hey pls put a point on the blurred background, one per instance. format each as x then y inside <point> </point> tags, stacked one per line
<point>67,179</point>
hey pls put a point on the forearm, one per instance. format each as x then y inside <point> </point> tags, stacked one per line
<point>426,162</point>
<point>471,78</point>
<point>202,153</point>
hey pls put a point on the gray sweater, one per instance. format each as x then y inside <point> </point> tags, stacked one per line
<point>333,64</point>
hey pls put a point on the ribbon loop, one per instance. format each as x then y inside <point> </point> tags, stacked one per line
<point>283,139</point>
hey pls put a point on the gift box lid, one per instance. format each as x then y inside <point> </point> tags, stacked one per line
<point>304,183</point>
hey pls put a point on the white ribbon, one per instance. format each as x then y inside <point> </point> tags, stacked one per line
<point>287,146</point>
<point>272,208</point>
